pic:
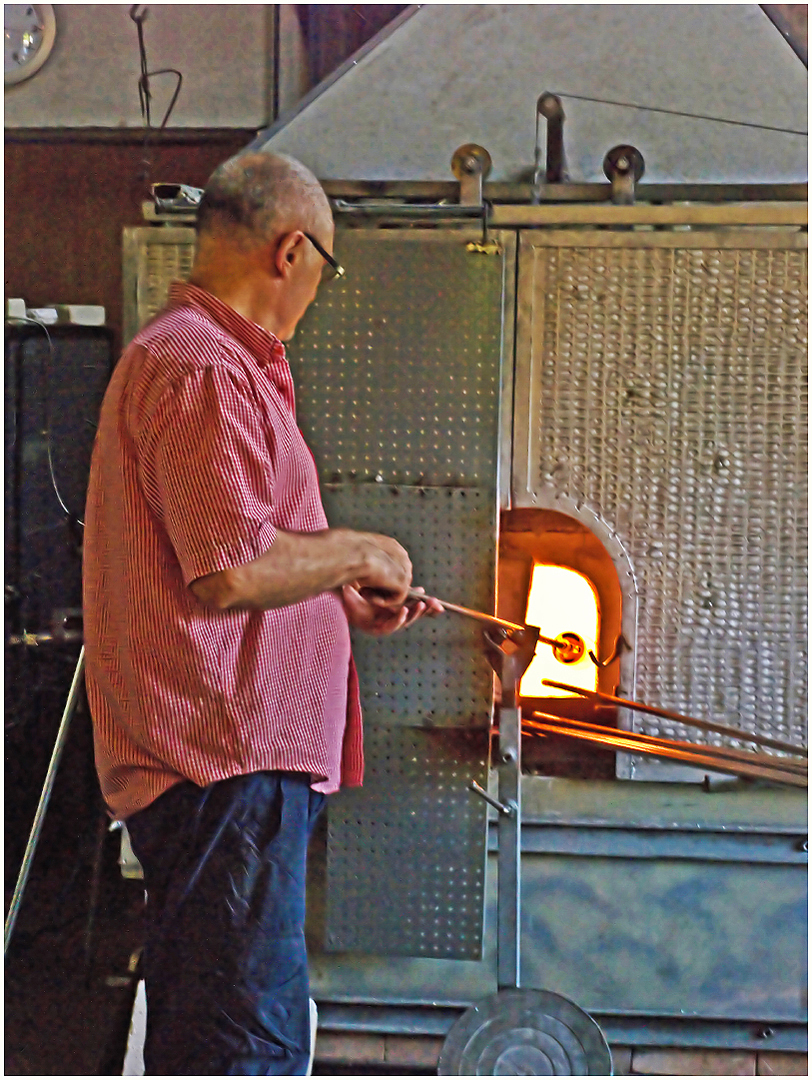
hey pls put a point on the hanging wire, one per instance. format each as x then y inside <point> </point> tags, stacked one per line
<point>46,367</point>
<point>675,112</point>
<point>144,91</point>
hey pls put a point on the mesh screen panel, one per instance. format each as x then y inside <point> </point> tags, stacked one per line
<point>667,388</point>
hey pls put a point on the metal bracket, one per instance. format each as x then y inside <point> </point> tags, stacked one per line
<point>620,645</point>
<point>509,653</point>
<point>624,166</point>
<point>549,107</point>
<point>471,164</point>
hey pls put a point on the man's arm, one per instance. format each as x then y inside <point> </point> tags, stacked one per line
<point>300,565</point>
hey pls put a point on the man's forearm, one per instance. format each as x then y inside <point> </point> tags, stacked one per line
<point>301,565</point>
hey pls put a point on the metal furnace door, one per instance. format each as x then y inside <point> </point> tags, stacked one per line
<point>398,369</point>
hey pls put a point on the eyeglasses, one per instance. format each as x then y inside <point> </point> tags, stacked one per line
<point>333,269</point>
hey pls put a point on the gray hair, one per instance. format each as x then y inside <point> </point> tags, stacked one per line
<point>259,194</point>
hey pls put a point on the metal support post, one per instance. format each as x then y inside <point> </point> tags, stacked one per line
<point>510,845</point>
<point>510,656</point>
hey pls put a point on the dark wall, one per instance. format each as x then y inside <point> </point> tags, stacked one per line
<point>333,32</point>
<point>68,196</point>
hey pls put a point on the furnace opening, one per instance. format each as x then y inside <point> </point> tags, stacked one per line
<point>563,603</point>
<point>555,573</point>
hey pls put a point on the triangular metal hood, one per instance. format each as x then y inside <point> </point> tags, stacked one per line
<point>444,75</point>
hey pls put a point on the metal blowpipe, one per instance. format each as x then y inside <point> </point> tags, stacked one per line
<point>571,647</point>
<point>415,594</point>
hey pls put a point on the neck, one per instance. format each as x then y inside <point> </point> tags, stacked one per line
<point>236,280</point>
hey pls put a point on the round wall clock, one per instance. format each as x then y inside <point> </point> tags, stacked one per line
<point>30,32</point>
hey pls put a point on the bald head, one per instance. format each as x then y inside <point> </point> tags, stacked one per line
<point>256,196</point>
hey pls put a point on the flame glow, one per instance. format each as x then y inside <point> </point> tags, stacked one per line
<point>561,600</point>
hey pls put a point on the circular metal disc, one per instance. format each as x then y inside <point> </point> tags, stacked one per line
<point>525,1033</point>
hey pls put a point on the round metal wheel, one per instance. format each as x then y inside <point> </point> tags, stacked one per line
<point>525,1033</point>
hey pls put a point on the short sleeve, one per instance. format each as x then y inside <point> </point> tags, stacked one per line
<point>208,472</point>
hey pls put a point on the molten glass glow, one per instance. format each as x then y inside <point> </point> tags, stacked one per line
<point>560,600</point>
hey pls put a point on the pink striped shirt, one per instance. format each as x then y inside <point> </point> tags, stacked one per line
<point>198,461</point>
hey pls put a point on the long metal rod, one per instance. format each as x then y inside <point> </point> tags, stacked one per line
<point>44,799</point>
<point>414,594</point>
<point>559,214</point>
<point>748,757</point>
<point>433,211</point>
<point>433,191</point>
<point>624,742</point>
<point>690,721</point>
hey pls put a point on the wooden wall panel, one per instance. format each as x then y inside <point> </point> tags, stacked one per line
<point>67,200</point>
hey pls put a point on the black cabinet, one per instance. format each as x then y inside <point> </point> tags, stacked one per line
<point>54,384</point>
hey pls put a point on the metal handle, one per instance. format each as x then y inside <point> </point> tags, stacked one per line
<point>503,808</point>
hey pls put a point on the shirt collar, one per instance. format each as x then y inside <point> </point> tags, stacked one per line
<point>264,346</point>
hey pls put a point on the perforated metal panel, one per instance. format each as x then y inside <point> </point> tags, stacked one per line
<point>435,674</point>
<point>397,365</point>
<point>662,384</point>
<point>397,369</point>
<point>406,853</point>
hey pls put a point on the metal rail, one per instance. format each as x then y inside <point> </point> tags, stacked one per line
<point>752,757</point>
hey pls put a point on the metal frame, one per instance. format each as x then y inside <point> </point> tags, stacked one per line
<point>433,191</point>
<point>427,1018</point>
<point>714,216</point>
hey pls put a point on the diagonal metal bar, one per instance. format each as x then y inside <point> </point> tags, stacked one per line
<point>44,799</point>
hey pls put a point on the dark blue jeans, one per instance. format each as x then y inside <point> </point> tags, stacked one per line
<point>225,962</point>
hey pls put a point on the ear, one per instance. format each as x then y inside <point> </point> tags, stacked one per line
<point>289,248</point>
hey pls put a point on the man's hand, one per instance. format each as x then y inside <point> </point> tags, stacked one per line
<point>376,615</point>
<point>388,573</point>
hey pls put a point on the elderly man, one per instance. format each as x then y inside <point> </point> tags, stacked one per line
<point>217,603</point>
